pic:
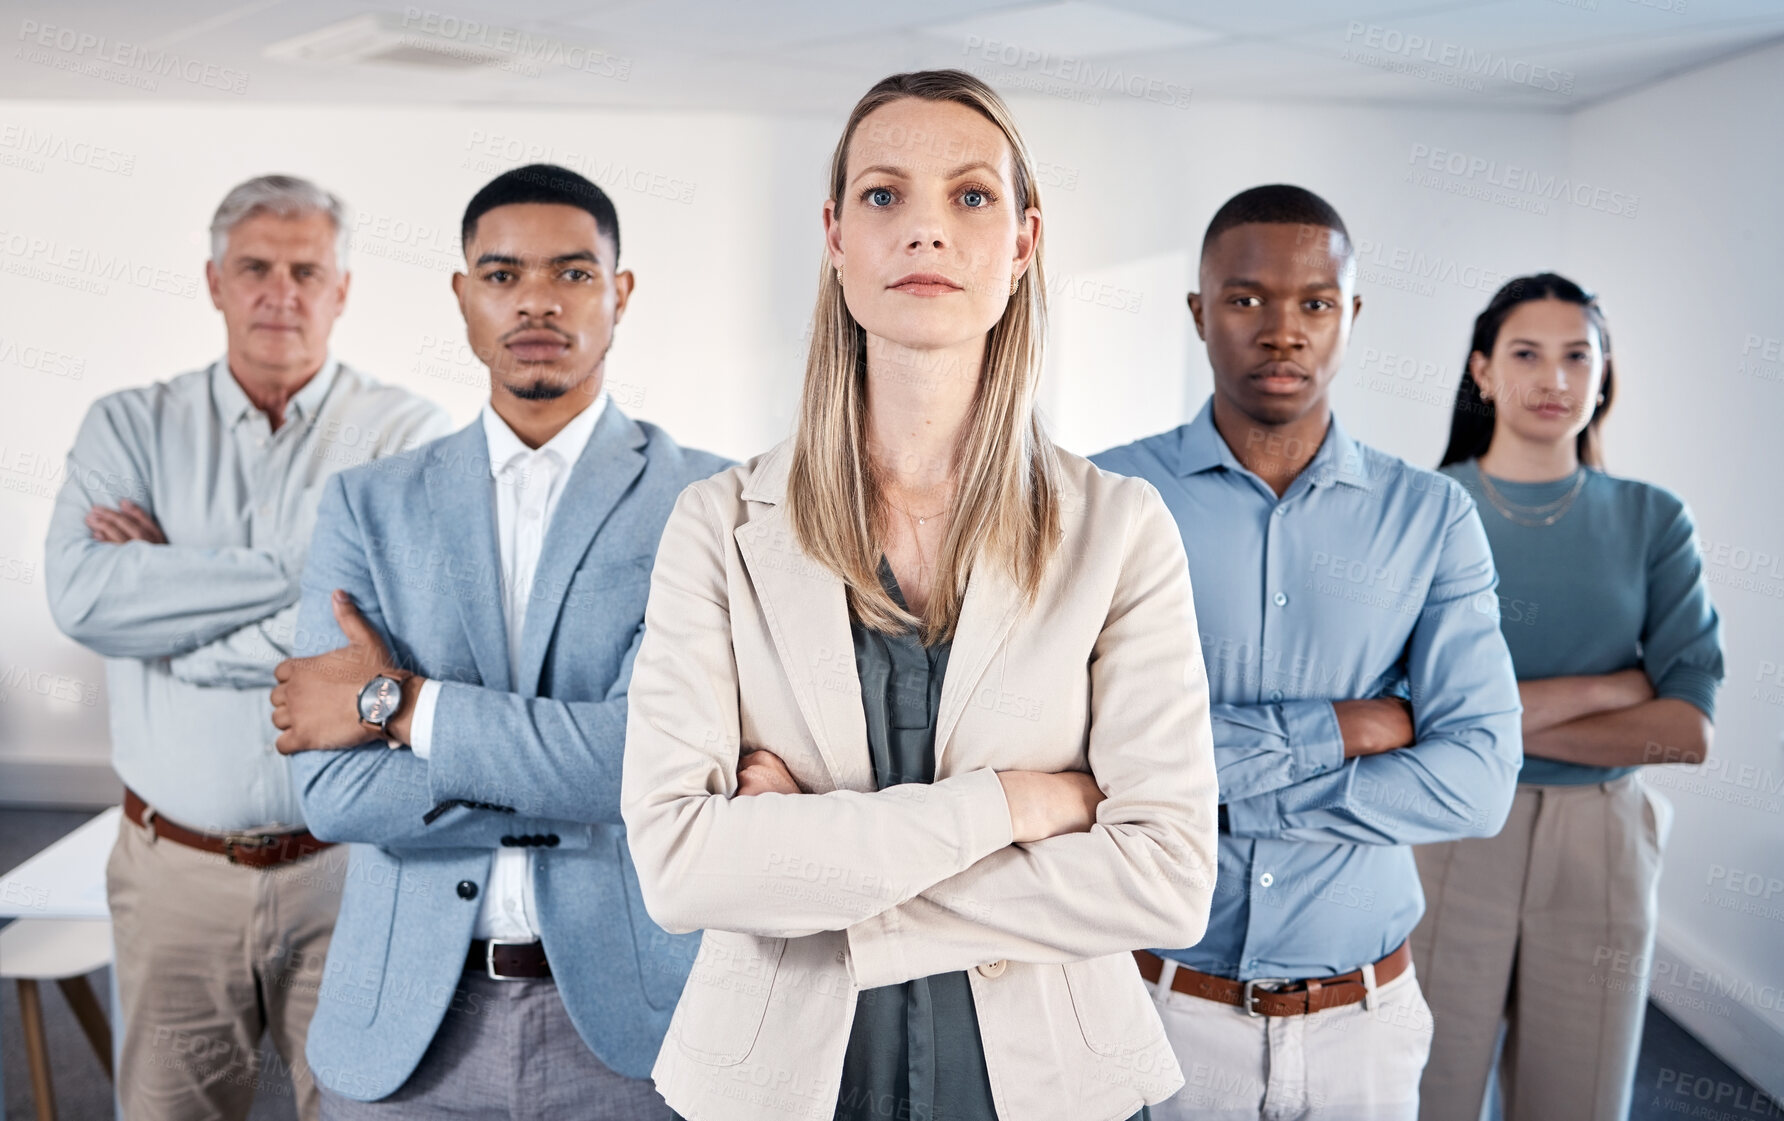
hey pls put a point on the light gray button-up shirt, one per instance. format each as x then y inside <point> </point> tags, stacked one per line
<point>191,630</point>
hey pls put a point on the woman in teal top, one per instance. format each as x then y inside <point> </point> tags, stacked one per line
<point>1548,927</point>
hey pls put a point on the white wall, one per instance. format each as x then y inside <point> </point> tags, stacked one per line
<point>1691,289</point>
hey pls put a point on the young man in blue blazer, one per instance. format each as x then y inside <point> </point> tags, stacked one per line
<point>470,616</point>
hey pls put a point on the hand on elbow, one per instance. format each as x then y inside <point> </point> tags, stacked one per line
<point>762,772</point>
<point>1046,805</point>
<point>1374,726</point>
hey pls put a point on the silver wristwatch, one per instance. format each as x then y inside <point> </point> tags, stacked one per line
<point>378,701</point>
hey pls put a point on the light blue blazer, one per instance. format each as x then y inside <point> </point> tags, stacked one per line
<point>412,537</point>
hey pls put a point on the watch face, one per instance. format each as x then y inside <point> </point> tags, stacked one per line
<point>379,699</point>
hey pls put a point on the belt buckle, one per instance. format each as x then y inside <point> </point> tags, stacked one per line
<point>1252,984</point>
<point>247,841</point>
<point>489,957</point>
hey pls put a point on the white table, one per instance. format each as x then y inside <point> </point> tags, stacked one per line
<point>67,881</point>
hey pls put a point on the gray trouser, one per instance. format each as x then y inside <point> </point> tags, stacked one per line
<point>507,1049</point>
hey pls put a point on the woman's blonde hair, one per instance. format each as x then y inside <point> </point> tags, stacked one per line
<point>1006,508</point>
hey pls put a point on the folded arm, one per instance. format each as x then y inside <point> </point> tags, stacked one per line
<point>245,657</point>
<point>370,793</point>
<point>559,759</point>
<point>137,599</point>
<point>1457,780</point>
<point>774,864</point>
<point>1143,875</point>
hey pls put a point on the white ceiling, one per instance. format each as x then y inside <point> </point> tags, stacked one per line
<point>817,55</point>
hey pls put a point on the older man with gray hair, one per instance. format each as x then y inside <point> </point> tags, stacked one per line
<point>175,551</point>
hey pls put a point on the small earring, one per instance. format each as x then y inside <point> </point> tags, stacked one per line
<point>1015,279</point>
<point>1601,398</point>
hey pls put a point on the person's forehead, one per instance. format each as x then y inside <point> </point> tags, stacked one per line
<point>1277,250</point>
<point>1547,315</point>
<point>267,230</point>
<point>559,227</point>
<point>927,137</point>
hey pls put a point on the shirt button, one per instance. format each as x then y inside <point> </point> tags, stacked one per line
<point>1266,879</point>
<point>1281,599</point>
<point>1276,694</point>
<point>1280,510</point>
<point>467,889</point>
<point>993,968</point>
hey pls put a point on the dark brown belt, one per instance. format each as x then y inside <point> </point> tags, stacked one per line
<point>254,850</point>
<point>1284,997</point>
<point>508,961</point>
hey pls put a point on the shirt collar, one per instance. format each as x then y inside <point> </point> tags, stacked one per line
<point>1339,459</point>
<point>233,404</point>
<point>506,448</point>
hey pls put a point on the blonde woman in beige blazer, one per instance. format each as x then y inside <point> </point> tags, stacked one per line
<point>1068,816</point>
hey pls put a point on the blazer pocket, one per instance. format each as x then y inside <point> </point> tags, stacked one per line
<point>726,997</point>
<point>353,978</point>
<point>1114,1011</point>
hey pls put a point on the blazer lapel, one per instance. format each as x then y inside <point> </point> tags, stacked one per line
<point>460,496</point>
<point>808,616</point>
<point>986,615</point>
<point>609,464</point>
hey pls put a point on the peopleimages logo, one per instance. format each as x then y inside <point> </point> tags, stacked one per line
<point>1454,56</point>
<point>1471,174</point>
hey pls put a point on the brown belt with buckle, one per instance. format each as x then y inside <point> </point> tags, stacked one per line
<point>254,850</point>
<point>508,961</point>
<point>1288,997</point>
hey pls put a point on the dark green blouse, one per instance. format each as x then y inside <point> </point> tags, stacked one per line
<point>914,1050</point>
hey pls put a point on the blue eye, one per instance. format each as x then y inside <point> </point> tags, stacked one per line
<point>879,196</point>
<point>974,199</point>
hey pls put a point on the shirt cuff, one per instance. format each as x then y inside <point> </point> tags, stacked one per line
<point>1692,685</point>
<point>1257,818</point>
<point>421,725</point>
<point>1313,738</point>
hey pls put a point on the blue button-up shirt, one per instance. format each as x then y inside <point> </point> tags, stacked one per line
<point>1367,577</point>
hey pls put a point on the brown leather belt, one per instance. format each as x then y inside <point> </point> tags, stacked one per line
<point>1287,998</point>
<point>508,961</point>
<point>253,850</point>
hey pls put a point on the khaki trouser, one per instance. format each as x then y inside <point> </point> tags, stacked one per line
<point>211,955</point>
<point>1357,1062</point>
<point>1536,928</point>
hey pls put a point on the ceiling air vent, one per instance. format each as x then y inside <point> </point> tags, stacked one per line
<point>412,38</point>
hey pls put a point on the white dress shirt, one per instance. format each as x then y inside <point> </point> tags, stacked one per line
<point>527,484</point>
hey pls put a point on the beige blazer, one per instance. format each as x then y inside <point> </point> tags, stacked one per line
<point>807,899</point>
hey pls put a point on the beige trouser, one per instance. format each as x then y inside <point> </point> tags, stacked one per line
<point>211,955</point>
<point>1548,927</point>
<point>1359,1062</point>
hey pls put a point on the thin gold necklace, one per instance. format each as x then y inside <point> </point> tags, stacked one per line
<point>1534,517</point>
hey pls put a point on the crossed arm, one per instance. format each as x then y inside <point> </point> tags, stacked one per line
<point>924,878</point>
<point>116,585</point>
<point>1335,773</point>
<point>557,770</point>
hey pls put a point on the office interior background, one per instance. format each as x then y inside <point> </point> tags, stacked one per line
<point>1633,145</point>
